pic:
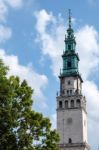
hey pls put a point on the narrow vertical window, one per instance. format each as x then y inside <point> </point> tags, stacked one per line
<point>60,104</point>
<point>69,47</point>
<point>72,103</point>
<point>67,92</point>
<point>69,82</point>
<point>69,140</point>
<point>78,103</point>
<point>69,64</point>
<point>70,91</point>
<point>66,104</point>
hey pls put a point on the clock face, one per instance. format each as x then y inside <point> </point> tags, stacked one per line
<point>69,121</point>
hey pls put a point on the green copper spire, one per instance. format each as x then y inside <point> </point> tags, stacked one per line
<point>70,43</point>
<point>69,18</point>
<point>70,57</point>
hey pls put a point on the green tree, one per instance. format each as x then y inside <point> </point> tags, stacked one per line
<point>21,128</point>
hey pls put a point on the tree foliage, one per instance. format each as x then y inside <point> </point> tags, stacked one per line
<point>21,128</point>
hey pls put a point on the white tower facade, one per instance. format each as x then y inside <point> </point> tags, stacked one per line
<point>71,104</point>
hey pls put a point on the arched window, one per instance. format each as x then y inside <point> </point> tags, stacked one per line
<point>60,104</point>
<point>66,104</point>
<point>78,103</point>
<point>72,103</point>
<point>69,140</point>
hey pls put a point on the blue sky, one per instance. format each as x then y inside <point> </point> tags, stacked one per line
<point>32,42</point>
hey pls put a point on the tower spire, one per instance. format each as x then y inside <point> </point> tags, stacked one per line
<point>71,104</point>
<point>70,57</point>
<point>69,18</point>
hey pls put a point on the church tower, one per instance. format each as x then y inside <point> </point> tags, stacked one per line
<point>71,104</point>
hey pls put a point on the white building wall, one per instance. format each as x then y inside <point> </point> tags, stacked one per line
<point>74,84</point>
<point>73,130</point>
<point>72,121</point>
<point>84,116</point>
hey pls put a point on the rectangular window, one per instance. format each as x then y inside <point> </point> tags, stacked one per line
<point>69,47</point>
<point>69,64</point>
<point>60,104</point>
<point>70,91</point>
<point>67,92</point>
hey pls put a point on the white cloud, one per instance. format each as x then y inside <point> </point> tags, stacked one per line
<point>93,2</point>
<point>91,91</point>
<point>53,120</point>
<point>93,133</point>
<point>5,33</point>
<point>88,49</point>
<point>37,81</point>
<point>52,39</point>
<point>43,18</point>
<point>51,32</point>
<point>3,11</point>
<point>4,7</point>
<point>14,3</point>
<point>92,96</point>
